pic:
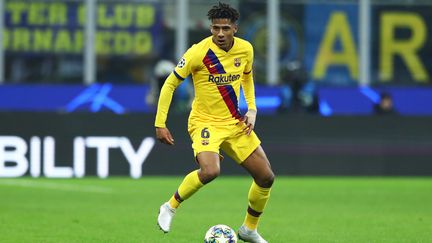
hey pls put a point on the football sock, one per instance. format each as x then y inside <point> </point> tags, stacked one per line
<point>258,197</point>
<point>187,188</point>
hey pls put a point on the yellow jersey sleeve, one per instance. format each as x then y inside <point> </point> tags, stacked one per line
<point>183,69</point>
<point>186,64</point>
<point>249,90</point>
<point>165,98</point>
<point>248,82</point>
<point>249,59</point>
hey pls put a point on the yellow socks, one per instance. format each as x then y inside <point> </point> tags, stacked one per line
<point>258,197</point>
<point>187,188</point>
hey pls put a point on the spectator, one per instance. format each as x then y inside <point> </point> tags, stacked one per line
<point>296,92</point>
<point>385,105</point>
<point>291,86</point>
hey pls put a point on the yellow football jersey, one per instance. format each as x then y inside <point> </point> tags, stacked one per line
<point>217,76</point>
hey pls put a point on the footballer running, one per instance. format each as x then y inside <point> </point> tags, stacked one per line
<point>219,65</point>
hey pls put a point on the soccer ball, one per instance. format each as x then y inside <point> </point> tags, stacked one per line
<point>220,234</point>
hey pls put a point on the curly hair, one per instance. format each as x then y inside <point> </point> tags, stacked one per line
<point>223,11</point>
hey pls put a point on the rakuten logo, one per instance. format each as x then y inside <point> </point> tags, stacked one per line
<point>13,151</point>
<point>223,79</point>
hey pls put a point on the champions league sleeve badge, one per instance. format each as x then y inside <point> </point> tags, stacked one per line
<point>181,63</point>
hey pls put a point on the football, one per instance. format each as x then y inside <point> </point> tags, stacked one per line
<point>220,234</point>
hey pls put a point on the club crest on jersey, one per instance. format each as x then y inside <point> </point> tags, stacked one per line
<point>237,62</point>
<point>181,63</point>
<point>205,142</point>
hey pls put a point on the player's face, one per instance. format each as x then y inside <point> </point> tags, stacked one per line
<point>223,33</point>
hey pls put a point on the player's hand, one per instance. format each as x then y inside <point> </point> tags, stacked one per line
<point>249,120</point>
<point>164,135</point>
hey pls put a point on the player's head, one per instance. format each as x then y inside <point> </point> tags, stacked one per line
<point>223,24</point>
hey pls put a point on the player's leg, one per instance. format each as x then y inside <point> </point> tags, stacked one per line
<point>209,170</point>
<point>258,166</point>
<point>205,142</point>
<point>190,184</point>
<point>247,151</point>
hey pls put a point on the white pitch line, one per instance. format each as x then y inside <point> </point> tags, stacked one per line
<point>54,186</point>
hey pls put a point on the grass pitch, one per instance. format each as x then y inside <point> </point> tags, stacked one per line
<point>301,209</point>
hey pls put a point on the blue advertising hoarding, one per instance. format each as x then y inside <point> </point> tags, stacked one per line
<point>121,99</point>
<point>105,97</point>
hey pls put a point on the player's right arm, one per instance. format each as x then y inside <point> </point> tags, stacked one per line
<point>165,98</point>
<point>182,70</point>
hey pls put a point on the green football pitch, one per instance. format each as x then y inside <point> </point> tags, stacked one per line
<point>301,209</point>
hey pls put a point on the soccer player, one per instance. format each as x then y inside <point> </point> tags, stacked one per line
<point>219,65</point>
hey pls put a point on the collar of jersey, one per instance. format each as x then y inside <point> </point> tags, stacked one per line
<point>218,49</point>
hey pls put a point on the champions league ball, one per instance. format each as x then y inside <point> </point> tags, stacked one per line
<point>220,234</point>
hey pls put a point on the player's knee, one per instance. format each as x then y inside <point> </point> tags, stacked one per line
<point>209,174</point>
<point>266,180</point>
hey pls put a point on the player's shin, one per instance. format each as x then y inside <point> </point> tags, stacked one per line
<point>258,197</point>
<point>187,188</point>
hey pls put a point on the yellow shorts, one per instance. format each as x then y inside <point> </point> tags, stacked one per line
<point>230,138</point>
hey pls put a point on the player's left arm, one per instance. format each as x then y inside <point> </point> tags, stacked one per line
<point>249,93</point>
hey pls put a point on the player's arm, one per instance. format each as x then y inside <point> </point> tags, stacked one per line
<point>182,70</point>
<point>249,93</point>
<point>165,98</point>
<point>249,90</point>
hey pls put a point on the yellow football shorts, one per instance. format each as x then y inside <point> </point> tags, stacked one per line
<point>230,138</point>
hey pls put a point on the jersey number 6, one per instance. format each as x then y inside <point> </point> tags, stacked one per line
<point>205,133</point>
